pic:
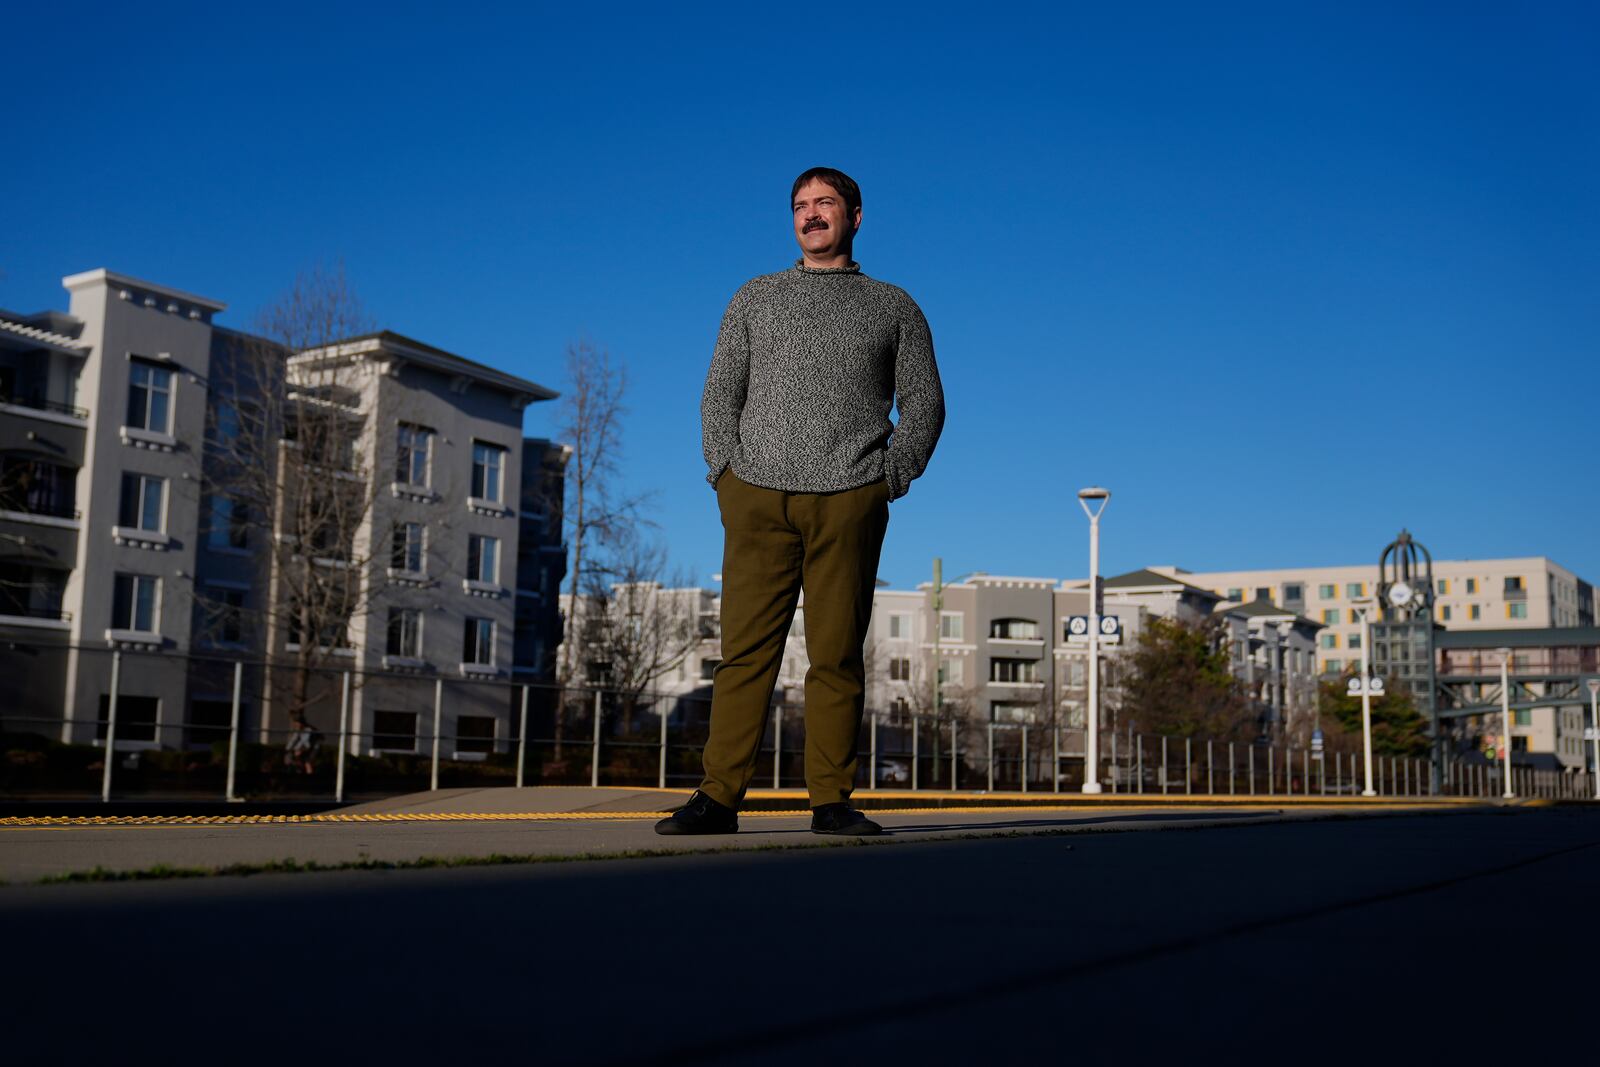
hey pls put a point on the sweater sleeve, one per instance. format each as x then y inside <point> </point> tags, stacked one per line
<point>920,399</point>
<point>726,381</point>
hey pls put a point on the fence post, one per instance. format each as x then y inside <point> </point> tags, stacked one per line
<point>111,727</point>
<point>1188,765</point>
<point>1055,765</point>
<point>955,767</point>
<point>1163,764</point>
<point>1139,743</point>
<point>438,725</point>
<point>777,746</point>
<point>1305,771</point>
<point>1232,768</point>
<point>1250,765</point>
<point>1272,785</point>
<point>522,738</point>
<point>233,729</point>
<point>1024,757</point>
<point>594,747</point>
<point>661,768</point>
<point>1114,764</point>
<point>1211,771</point>
<point>991,756</point>
<point>916,755</point>
<point>344,726</point>
<point>872,771</point>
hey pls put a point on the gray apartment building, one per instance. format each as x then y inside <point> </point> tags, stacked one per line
<point>127,521</point>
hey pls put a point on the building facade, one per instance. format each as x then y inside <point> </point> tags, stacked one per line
<point>1530,592</point>
<point>158,471</point>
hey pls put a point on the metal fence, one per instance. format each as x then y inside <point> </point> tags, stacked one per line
<point>212,728</point>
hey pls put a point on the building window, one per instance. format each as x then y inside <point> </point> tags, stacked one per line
<point>149,397</point>
<point>899,626</point>
<point>708,668</point>
<point>1330,617</point>
<point>1078,674</point>
<point>1264,593</point>
<point>483,558</point>
<point>1355,616</point>
<point>952,627</point>
<point>230,523</point>
<point>411,460</point>
<point>136,717</point>
<point>1236,593</point>
<point>1475,612</point>
<point>141,502</point>
<point>133,602</point>
<point>394,731</point>
<point>405,632</point>
<point>1353,641</point>
<point>1013,670</point>
<point>1332,666</point>
<point>1472,585</point>
<point>1014,630</point>
<point>1515,584</point>
<point>1355,589</point>
<point>475,733</point>
<point>1329,640</point>
<point>1443,586</point>
<point>1294,591</point>
<point>1327,592</point>
<point>228,615</point>
<point>1444,612</point>
<point>1522,716</point>
<point>1517,610</point>
<point>478,641</point>
<point>1010,711</point>
<point>952,672</point>
<point>488,464</point>
<point>899,669</point>
<point>407,547</point>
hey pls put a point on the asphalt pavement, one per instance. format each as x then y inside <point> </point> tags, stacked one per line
<point>1234,936</point>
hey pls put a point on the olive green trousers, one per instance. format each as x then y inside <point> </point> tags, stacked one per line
<point>775,545</point>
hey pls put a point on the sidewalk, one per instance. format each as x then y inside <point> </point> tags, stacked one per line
<point>566,823</point>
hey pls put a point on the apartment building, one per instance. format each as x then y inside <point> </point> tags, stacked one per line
<point>121,528</point>
<point>1001,650</point>
<point>1530,592</point>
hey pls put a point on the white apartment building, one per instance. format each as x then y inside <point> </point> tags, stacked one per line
<point>1530,592</point>
<point>117,532</point>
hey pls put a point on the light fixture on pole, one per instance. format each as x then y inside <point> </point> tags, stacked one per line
<point>1594,729</point>
<point>1505,721</point>
<point>1093,501</point>
<point>1369,685</point>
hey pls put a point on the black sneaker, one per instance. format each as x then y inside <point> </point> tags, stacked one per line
<point>701,815</point>
<point>843,820</point>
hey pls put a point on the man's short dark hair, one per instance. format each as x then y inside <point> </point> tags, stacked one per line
<point>841,182</point>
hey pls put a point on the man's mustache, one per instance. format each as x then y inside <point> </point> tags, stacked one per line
<point>814,224</point>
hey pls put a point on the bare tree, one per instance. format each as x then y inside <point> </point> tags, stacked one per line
<point>639,627</point>
<point>291,476</point>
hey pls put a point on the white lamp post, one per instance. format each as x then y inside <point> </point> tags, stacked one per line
<point>1365,607</point>
<point>1505,719</point>
<point>1594,721</point>
<point>1093,501</point>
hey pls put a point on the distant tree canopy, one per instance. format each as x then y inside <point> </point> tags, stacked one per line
<point>1398,729</point>
<point>1178,683</point>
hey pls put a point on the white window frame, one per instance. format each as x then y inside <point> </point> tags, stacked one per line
<point>415,650</point>
<point>143,494</point>
<point>420,441</point>
<point>150,387</point>
<point>478,641</point>
<point>960,627</point>
<point>131,624</point>
<point>493,462</point>
<point>489,575</point>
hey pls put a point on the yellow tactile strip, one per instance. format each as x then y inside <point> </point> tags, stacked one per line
<point>38,821</point>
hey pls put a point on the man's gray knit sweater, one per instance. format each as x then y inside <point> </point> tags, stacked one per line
<point>807,366</point>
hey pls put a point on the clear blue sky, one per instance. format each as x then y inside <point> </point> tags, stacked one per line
<point>1286,278</point>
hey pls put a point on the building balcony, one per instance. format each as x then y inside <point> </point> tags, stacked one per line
<point>39,617</point>
<point>34,407</point>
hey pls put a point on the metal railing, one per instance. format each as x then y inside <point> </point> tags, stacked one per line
<point>38,404</point>
<point>369,734</point>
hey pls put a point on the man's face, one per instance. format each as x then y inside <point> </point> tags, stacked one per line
<point>822,225</point>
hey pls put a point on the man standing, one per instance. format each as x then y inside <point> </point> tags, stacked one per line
<point>804,461</point>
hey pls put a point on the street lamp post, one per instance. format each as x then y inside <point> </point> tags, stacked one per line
<point>1505,721</point>
<point>1091,755</point>
<point>1594,729</point>
<point>1366,696</point>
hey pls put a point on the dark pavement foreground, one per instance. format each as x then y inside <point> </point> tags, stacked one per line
<point>1346,940</point>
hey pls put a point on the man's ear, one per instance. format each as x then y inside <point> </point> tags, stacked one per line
<point>857,227</point>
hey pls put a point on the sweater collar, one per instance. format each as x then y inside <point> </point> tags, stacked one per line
<point>853,268</point>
